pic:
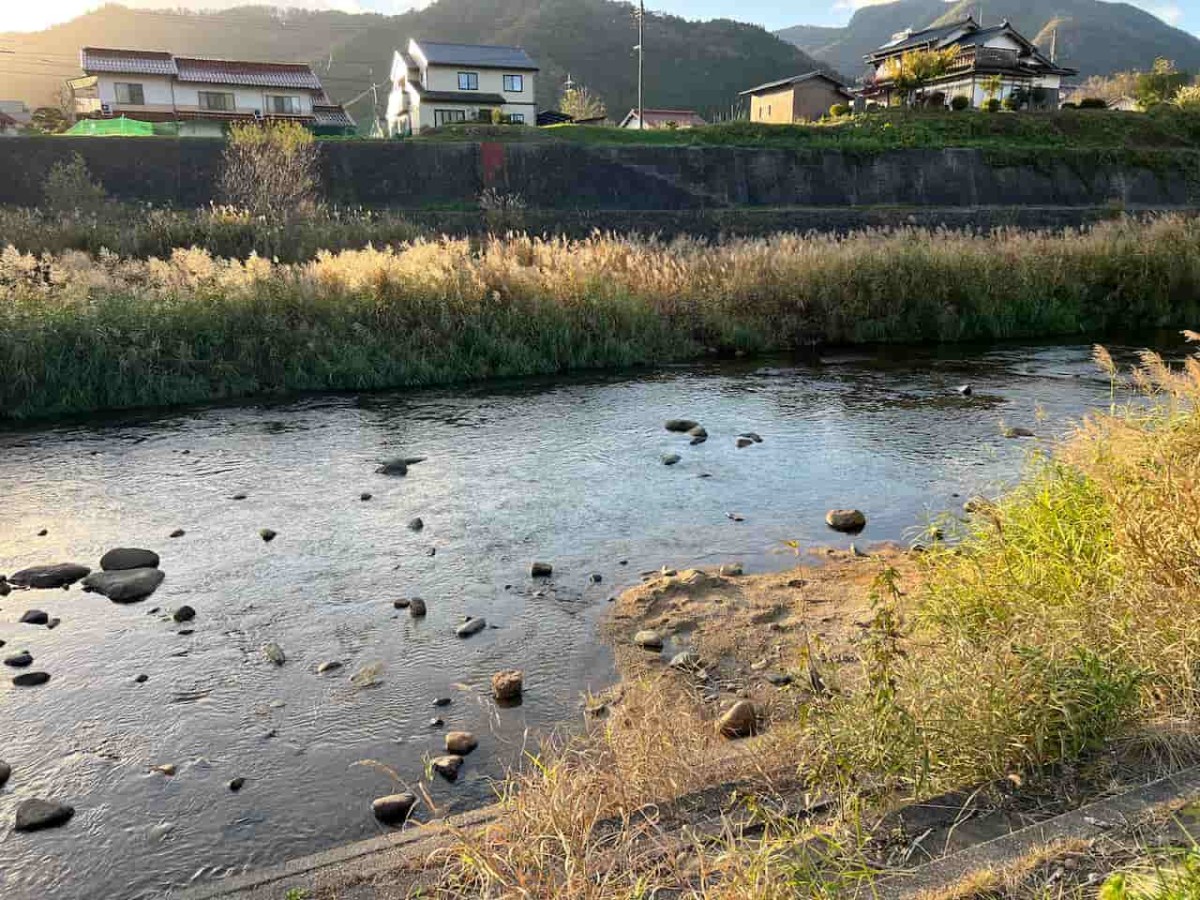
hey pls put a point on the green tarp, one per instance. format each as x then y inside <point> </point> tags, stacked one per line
<point>120,127</point>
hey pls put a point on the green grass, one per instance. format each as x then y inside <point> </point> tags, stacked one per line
<point>888,130</point>
<point>80,333</point>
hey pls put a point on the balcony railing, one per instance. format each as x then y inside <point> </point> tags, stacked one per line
<point>984,58</point>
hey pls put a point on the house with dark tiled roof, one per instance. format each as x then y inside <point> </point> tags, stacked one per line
<point>980,56</point>
<point>201,95</point>
<point>435,84</point>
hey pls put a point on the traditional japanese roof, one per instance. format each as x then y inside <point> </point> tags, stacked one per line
<point>480,56</point>
<point>968,33</point>
<point>798,79</point>
<point>925,36</point>
<point>7,121</point>
<point>332,116</point>
<point>122,62</point>
<point>258,74</point>
<point>194,69</point>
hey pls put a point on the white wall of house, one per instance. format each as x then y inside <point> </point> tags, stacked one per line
<point>245,99</point>
<point>156,91</point>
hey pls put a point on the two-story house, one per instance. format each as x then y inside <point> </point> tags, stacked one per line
<point>202,95</point>
<point>988,63</point>
<point>436,84</point>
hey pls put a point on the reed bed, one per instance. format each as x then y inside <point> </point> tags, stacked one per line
<point>1055,624</point>
<point>83,332</point>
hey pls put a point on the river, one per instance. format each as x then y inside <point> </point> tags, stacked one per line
<point>567,471</point>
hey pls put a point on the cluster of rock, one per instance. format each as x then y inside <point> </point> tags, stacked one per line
<point>699,435</point>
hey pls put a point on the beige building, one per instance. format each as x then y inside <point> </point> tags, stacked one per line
<point>437,84</point>
<point>804,98</point>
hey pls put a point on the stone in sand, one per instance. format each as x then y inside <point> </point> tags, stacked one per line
<point>34,617</point>
<point>648,640</point>
<point>740,720</point>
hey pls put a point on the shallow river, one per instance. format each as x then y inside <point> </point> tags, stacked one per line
<point>568,471</point>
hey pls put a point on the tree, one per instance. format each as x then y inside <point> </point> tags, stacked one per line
<point>271,170</point>
<point>48,120</point>
<point>581,103</point>
<point>992,86</point>
<point>69,188</point>
<point>1188,98</point>
<point>911,71</point>
<point>1160,84</point>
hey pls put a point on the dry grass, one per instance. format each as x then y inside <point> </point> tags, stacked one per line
<point>81,332</point>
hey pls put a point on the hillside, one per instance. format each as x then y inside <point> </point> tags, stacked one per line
<point>1093,36</point>
<point>699,65</point>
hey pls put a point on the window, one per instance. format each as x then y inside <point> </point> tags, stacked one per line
<point>283,106</point>
<point>514,84</point>
<point>130,94</point>
<point>468,81</point>
<point>446,116</point>
<point>215,101</point>
<point>516,119</point>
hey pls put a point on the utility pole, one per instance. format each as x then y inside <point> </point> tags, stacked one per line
<point>1054,45</point>
<point>641,49</point>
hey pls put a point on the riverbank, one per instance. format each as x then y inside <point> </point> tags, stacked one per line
<point>81,333</point>
<point>1038,654</point>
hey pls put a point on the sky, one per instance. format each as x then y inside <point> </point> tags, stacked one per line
<point>21,15</point>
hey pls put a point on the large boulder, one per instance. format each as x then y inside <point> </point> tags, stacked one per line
<point>35,814</point>
<point>460,743</point>
<point>123,558</point>
<point>125,585</point>
<point>394,809</point>
<point>57,575</point>
<point>850,521</point>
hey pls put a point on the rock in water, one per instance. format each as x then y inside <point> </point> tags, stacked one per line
<point>364,496</point>
<point>1018,433</point>
<point>36,814</point>
<point>439,702</point>
<point>460,743</point>
<point>398,465</point>
<point>966,390</point>
<point>177,533</point>
<point>681,425</point>
<point>402,603</point>
<point>34,617</point>
<point>698,431</point>
<point>393,809</point>
<point>447,766</point>
<point>184,614</point>
<point>125,585</point>
<point>731,570</point>
<point>541,570</point>
<point>850,521</point>
<point>649,640</point>
<point>508,685</point>
<point>31,679</point>
<point>416,524</point>
<point>53,576</point>
<point>267,534</point>
<point>473,625</point>
<point>751,436</point>
<point>236,784</point>
<point>5,773</point>
<point>332,666</point>
<point>670,459</point>
<point>740,720</point>
<point>20,660</point>
<point>416,607</point>
<point>5,588</point>
<point>123,558</point>
<point>274,653</point>
<point>744,442</point>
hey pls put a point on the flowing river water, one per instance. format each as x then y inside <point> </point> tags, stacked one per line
<point>567,471</point>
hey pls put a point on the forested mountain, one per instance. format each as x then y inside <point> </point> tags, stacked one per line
<point>700,65</point>
<point>1093,36</point>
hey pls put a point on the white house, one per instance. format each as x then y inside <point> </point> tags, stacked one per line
<point>202,95</point>
<point>437,84</point>
<point>979,55</point>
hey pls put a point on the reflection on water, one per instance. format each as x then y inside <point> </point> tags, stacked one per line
<point>564,470</point>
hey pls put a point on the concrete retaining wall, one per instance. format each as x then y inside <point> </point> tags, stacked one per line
<point>416,175</point>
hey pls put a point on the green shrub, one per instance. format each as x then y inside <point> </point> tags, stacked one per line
<point>69,188</point>
<point>1012,104</point>
<point>839,110</point>
<point>992,105</point>
<point>960,103</point>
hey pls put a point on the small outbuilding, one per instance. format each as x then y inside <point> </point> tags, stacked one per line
<point>664,118</point>
<point>803,98</point>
